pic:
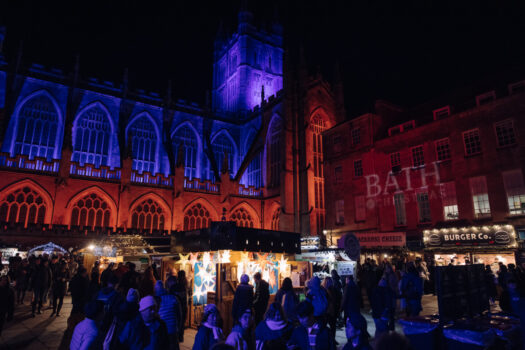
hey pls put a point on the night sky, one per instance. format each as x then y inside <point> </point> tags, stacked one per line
<point>407,53</point>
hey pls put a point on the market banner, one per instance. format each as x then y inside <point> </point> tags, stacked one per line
<point>383,239</point>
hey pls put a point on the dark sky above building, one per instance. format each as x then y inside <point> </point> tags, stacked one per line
<point>407,52</point>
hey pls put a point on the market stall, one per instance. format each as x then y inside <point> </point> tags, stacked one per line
<point>49,248</point>
<point>325,260</point>
<point>487,245</point>
<point>118,248</point>
<point>215,258</point>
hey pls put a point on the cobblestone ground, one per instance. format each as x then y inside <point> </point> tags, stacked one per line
<point>45,332</point>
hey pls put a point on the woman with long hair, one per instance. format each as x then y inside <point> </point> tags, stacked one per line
<point>288,299</point>
<point>274,329</point>
<point>147,283</point>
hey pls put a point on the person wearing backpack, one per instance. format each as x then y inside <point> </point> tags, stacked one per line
<point>412,290</point>
<point>317,296</point>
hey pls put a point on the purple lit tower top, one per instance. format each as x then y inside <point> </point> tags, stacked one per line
<point>247,67</point>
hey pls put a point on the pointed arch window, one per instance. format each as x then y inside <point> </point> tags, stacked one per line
<point>91,211</point>
<point>276,219</point>
<point>92,138</point>
<point>143,144</point>
<point>196,217</point>
<point>275,145</point>
<point>185,137</point>
<point>24,205</point>
<point>252,176</point>
<point>149,216</point>
<point>318,126</point>
<point>37,127</point>
<point>242,218</point>
<point>222,145</point>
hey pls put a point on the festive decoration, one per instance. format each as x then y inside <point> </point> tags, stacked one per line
<point>193,258</point>
<point>184,259</point>
<point>225,256</point>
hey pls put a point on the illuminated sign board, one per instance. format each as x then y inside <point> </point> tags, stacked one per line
<point>473,236</point>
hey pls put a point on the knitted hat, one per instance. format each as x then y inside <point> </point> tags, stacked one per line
<point>146,302</point>
<point>209,309</point>
<point>245,278</point>
<point>133,296</point>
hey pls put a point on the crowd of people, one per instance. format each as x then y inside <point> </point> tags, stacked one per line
<point>120,308</point>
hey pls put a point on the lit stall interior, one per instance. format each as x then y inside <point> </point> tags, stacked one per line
<point>214,273</point>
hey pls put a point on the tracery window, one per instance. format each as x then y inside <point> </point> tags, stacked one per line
<point>275,219</point>
<point>23,205</point>
<point>185,137</point>
<point>252,176</point>
<point>91,141</point>
<point>37,128</point>
<point>242,218</point>
<point>143,144</point>
<point>91,211</point>
<point>274,152</point>
<point>222,145</point>
<point>196,217</point>
<point>148,215</point>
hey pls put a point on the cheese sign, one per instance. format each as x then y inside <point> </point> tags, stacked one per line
<point>386,239</point>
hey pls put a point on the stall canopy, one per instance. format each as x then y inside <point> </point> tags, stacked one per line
<point>48,248</point>
<point>120,245</point>
<point>226,235</point>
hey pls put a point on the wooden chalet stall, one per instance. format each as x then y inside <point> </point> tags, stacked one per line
<point>214,259</point>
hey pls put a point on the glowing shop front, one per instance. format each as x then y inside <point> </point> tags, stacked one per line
<point>487,245</point>
<point>215,258</point>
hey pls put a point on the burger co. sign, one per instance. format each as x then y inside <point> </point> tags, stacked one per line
<point>471,236</point>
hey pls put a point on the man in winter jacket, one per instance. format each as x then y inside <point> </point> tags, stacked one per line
<point>147,331</point>
<point>111,299</point>
<point>243,298</point>
<point>412,289</point>
<point>262,295</point>
<point>170,313</point>
<point>79,287</point>
<point>7,301</point>
<point>383,307</point>
<point>87,334</point>
<point>40,283</point>
<point>310,334</point>
<point>351,298</point>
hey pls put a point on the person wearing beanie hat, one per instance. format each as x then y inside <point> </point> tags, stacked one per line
<point>209,332</point>
<point>145,331</point>
<point>311,333</point>
<point>170,313</point>
<point>356,333</point>
<point>243,298</point>
<point>133,296</point>
<point>86,333</point>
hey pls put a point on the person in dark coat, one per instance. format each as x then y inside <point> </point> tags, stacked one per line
<point>146,331</point>
<point>94,283</point>
<point>517,302</point>
<point>490,283</point>
<point>209,332</point>
<point>7,302</point>
<point>338,292</point>
<point>79,287</point>
<point>274,330</point>
<point>310,334</point>
<point>383,307</point>
<point>106,274</point>
<point>60,279</point>
<point>288,299</point>
<point>169,312</point>
<point>262,295</point>
<point>356,333</point>
<point>182,291</point>
<point>351,298</point>
<point>22,281</point>
<point>241,336</point>
<point>412,290</point>
<point>130,279</point>
<point>243,298</point>
<point>147,283</point>
<point>41,281</point>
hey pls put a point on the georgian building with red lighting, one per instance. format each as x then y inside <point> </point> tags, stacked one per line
<point>439,176</point>
<point>82,157</point>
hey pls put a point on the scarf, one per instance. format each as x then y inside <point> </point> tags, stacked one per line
<point>217,332</point>
<point>276,325</point>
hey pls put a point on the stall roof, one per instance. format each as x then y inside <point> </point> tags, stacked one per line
<point>120,245</point>
<point>227,235</point>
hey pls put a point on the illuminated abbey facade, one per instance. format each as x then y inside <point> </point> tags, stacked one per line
<point>84,155</point>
